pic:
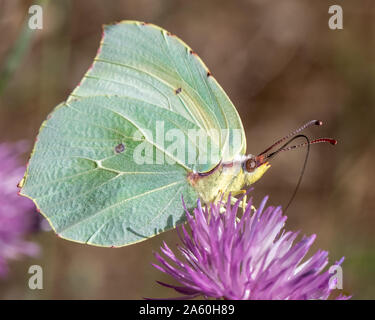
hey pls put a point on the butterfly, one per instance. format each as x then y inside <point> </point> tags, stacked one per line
<point>147,125</point>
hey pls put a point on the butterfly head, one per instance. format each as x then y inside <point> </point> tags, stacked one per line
<point>255,167</point>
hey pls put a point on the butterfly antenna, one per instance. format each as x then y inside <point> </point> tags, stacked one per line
<point>293,133</point>
<point>320,140</point>
<point>307,144</point>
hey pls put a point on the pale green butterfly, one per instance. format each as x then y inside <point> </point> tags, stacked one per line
<point>83,175</point>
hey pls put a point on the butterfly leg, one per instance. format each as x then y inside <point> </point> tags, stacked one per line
<point>219,197</point>
<point>236,193</point>
<point>243,202</point>
<point>223,195</point>
<point>233,200</point>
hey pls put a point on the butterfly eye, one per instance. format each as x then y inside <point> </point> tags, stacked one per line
<point>251,164</point>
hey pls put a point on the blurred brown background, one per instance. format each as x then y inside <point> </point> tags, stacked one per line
<point>280,64</point>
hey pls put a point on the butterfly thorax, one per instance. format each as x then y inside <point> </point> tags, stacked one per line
<point>224,178</point>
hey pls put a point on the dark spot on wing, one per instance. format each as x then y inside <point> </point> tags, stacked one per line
<point>178,90</point>
<point>120,148</point>
<point>209,74</point>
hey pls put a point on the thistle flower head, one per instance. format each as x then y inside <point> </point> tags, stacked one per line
<point>16,217</point>
<point>251,257</point>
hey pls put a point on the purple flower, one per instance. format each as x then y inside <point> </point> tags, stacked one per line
<point>17,217</point>
<point>251,257</point>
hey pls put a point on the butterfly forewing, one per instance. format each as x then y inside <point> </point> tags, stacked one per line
<point>98,171</point>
